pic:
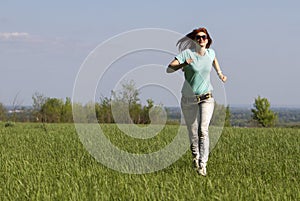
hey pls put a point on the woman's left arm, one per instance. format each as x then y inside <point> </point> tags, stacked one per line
<point>218,70</point>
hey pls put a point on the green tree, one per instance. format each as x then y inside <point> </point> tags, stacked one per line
<point>125,104</point>
<point>145,112</point>
<point>2,112</point>
<point>262,112</point>
<point>80,113</point>
<point>103,111</point>
<point>66,113</point>
<point>129,93</point>
<point>51,110</point>
<point>91,112</point>
<point>38,101</point>
<point>227,117</point>
<point>157,114</point>
<point>124,107</point>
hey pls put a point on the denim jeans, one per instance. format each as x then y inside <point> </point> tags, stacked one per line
<point>197,118</point>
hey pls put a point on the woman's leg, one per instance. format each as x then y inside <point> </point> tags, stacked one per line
<point>206,112</point>
<point>191,116</point>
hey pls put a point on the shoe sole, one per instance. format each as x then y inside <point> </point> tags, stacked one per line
<point>201,172</point>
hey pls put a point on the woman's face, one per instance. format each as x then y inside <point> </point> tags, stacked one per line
<point>201,39</point>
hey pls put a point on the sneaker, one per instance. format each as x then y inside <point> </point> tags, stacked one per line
<point>202,170</point>
<point>196,163</point>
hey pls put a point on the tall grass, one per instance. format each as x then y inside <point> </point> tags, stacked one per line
<point>38,163</point>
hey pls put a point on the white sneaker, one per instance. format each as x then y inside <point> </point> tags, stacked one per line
<point>202,170</point>
<point>196,163</point>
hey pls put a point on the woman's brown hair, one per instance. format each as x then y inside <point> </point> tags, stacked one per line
<point>187,42</point>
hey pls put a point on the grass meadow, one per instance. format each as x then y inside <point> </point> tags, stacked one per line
<point>48,162</point>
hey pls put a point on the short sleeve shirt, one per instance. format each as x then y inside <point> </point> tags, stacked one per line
<point>197,73</point>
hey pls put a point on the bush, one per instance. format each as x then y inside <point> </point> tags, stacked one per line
<point>9,124</point>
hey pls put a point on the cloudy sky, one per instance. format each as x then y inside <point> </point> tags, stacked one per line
<point>43,44</point>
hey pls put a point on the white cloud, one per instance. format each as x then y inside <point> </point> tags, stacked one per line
<point>14,36</point>
<point>25,37</point>
<point>24,42</point>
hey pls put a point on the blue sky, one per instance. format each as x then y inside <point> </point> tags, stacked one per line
<point>44,43</point>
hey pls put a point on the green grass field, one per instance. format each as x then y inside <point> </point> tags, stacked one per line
<point>50,163</point>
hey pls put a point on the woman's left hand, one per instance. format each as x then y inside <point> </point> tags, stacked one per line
<point>223,77</point>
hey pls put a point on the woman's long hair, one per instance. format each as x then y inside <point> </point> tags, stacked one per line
<point>188,41</point>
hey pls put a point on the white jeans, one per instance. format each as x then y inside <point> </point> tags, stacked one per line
<point>197,118</point>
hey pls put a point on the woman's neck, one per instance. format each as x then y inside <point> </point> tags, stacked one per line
<point>201,51</point>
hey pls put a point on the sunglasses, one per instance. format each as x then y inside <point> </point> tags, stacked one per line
<point>198,37</point>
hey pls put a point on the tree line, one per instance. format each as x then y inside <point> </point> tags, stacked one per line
<point>127,102</point>
<point>124,106</point>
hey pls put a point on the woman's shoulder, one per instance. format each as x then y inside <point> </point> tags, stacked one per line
<point>187,52</point>
<point>211,53</point>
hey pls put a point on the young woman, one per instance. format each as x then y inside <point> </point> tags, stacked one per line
<point>196,59</point>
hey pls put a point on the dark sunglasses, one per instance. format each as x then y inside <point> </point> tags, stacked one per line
<point>198,37</point>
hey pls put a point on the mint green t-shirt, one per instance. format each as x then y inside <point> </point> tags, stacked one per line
<point>197,74</point>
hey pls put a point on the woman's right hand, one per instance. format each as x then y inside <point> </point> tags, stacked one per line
<point>189,61</point>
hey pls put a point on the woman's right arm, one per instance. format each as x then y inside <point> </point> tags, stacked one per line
<point>175,65</point>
